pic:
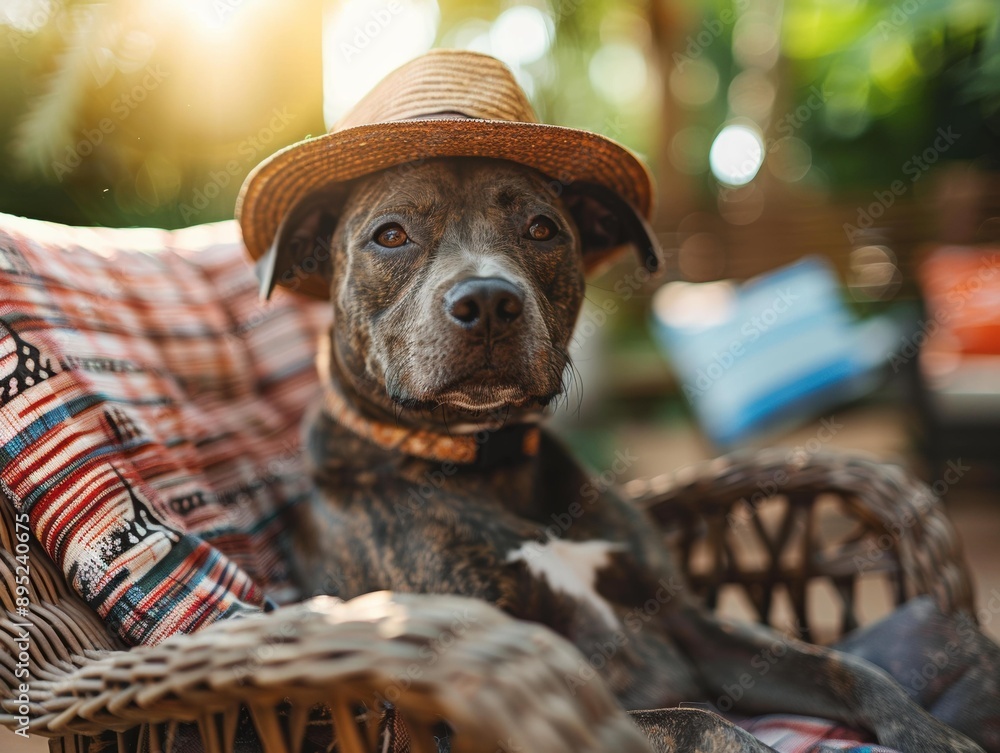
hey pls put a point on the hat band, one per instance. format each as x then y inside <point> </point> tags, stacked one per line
<point>441,115</point>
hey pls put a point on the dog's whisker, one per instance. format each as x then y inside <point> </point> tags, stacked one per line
<point>569,379</point>
<point>595,286</point>
<point>575,385</point>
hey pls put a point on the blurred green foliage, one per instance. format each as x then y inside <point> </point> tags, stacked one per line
<point>889,74</point>
<point>173,111</point>
<point>149,113</point>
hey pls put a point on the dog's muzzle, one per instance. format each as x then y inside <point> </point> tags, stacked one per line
<point>485,307</point>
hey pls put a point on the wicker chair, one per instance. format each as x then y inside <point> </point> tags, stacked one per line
<point>498,685</point>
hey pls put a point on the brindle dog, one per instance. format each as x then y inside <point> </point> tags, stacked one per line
<point>455,286</point>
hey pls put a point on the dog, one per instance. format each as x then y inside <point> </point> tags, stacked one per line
<point>455,285</point>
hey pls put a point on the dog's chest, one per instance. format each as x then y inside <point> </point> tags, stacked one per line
<point>571,569</point>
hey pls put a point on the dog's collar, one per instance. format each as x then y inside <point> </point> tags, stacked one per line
<point>484,449</point>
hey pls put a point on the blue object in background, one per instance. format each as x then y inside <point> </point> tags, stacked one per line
<point>777,350</point>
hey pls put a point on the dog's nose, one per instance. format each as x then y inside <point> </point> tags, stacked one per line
<point>484,305</point>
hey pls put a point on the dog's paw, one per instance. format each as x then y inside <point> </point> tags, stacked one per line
<point>928,738</point>
<point>686,730</point>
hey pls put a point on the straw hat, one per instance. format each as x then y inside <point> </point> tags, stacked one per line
<point>446,103</point>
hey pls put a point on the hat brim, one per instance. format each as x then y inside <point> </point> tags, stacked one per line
<point>567,155</point>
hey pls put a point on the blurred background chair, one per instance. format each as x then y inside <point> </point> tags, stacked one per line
<point>782,348</point>
<point>954,355</point>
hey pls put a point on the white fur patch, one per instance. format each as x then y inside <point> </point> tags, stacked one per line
<point>571,567</point>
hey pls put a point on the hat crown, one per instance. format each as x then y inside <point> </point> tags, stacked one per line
<point>443,82</point>
<point>444,104</point>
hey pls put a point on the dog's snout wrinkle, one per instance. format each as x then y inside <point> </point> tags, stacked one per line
<point>484,306</point>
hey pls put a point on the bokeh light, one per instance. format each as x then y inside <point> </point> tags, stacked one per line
<point>893,65</point>
<point>846,91</point>
<point>702,257</point>
<point>741,206</point>
<point>695,306</point>
<point>755,41</point>
<point>363,41</point>
<point>873,274</point>
<point>26,16</point>
<point>751,95</point>
<point>468,34</point>
<point>618,72</point>
<point>202,17</point>
<point>695,83</point>
<point>736,154</point>
<point>689,150</point>
<point>520,35</point>
<point>790,159</point>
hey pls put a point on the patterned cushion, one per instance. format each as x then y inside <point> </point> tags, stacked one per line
<point>149,418</point>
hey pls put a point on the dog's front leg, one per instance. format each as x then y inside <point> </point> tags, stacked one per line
<point>756,670</point>
<point>695,731</point>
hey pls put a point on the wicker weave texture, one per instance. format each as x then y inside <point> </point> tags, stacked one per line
<point>897,530</point>
<point>497,681</point>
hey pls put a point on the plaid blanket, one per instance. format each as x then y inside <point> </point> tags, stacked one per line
<point>803,734</point>
<point>149,418</point>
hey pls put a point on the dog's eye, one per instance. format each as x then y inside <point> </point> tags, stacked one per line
<point>541,228</point>
<point>391,236</point>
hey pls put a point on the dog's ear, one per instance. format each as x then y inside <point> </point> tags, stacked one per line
<point>607,222</point>
<point>300,254</point>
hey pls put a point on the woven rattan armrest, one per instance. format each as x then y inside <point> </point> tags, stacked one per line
<point>498,682</point>
<point>780,520</point>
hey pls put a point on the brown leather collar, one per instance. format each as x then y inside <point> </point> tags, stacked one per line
<point>484,449</point>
